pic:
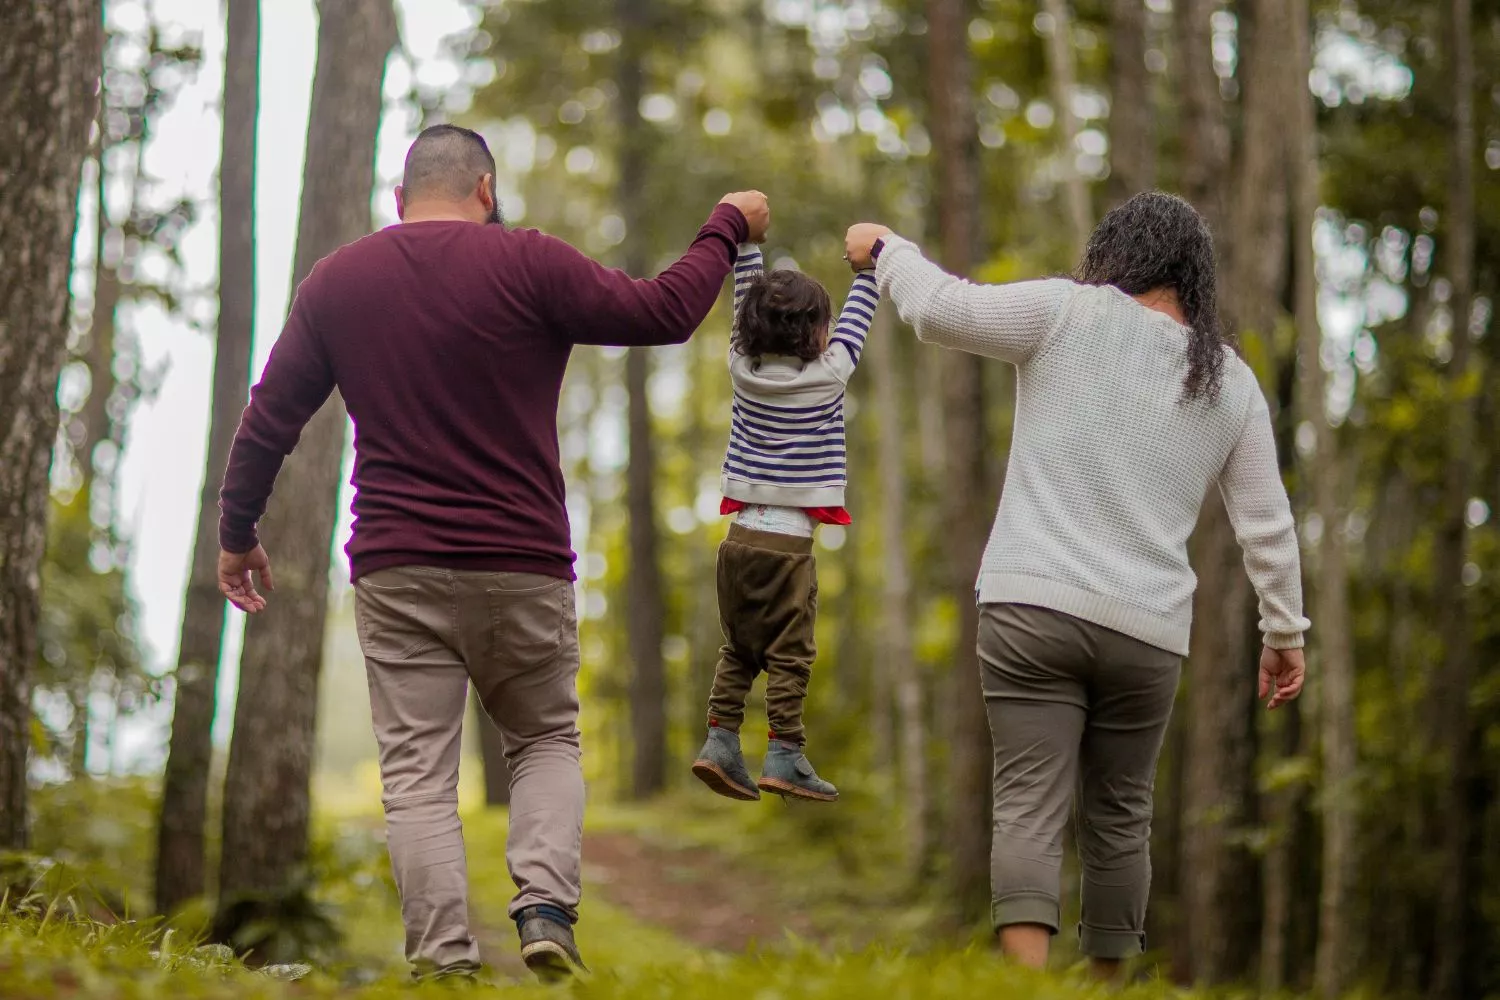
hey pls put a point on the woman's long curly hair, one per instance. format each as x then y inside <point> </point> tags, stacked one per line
<point>1157,240</point>
<point>783,312</point>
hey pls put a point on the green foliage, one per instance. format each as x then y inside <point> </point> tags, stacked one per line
<point>88,636</point>
<point>55,956</point>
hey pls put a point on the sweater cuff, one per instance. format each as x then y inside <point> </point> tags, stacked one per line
<point>236,540</point>
<point>888,253</point>
<point>729,223</point>
<point>1284,640</point>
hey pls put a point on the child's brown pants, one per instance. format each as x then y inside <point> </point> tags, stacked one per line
<point>768,602</point>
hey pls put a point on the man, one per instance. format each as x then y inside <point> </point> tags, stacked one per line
<point>448,339</point>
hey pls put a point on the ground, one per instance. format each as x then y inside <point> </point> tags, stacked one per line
<point>689,898</point>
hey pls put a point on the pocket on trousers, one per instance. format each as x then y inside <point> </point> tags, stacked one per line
<point>387,622</point>
<point>527,624</point>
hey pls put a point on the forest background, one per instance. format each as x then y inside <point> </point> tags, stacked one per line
<point>1347,155</point>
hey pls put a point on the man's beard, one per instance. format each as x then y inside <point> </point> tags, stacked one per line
<point>497,217</point>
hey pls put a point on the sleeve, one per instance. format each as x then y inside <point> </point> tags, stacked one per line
<point>588,303</point>
<point>1008,322</point>
<point>296,383</point>
<point>748,266</point>
<point>1261,515</point>
<point>848,340</point>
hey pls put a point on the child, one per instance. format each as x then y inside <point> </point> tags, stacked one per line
<point>783,475</point>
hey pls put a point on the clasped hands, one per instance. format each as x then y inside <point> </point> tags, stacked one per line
<point>859,241</point>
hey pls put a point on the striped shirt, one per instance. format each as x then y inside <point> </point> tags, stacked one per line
<point>786,428</point>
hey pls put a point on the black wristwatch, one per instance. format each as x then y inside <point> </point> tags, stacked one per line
<point>876,247</point>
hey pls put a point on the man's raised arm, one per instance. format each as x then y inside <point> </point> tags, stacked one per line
<point>592,304</point>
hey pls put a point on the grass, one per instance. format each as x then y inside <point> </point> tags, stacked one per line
<point>68,940</point>
<point>58,956</point>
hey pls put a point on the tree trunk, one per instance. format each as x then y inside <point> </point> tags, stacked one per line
<point>1218,786</point>
<point>1132,118</point>
<point>492,757</point>
<point>50,59</point>
<point>181,864</point>
<point>1205,136</point>
<point>1283,805</point>
<point>1062,74</point>
<point>1279,873</point>
<point>1337,930</point>
<point>270,757</point>
<point>707,366</point>
<point>645,605</point>
<point>1218,769</point>
<point>1451,687</point>
<point>965,497</point>
<point>96,424</point>
<point>1255,257</point>
<point>897,662</point>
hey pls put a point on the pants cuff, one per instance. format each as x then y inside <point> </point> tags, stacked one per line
<point>1025,908</point>
<point>1096,943</point>
<point>728,725</point>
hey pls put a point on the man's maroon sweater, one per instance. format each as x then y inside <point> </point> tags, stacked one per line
<point>448,341</point>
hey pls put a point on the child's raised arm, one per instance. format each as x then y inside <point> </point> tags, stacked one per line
<point>848,339</point>
<point>748,266</point>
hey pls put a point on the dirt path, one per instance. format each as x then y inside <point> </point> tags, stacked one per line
<point>694,892</point>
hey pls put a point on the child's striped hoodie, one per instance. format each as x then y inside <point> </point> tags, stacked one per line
<point>786,434</point>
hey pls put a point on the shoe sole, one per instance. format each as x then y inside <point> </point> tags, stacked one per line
<point>711,775</point>
<point>780,787</point>
<point>550,962</point>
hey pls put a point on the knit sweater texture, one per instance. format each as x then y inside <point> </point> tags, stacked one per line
<point>1110,463</point>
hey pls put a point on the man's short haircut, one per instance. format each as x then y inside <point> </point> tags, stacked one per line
<point>445,162</point>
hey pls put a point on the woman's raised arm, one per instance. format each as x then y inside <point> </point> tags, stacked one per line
<point>1008,322</point>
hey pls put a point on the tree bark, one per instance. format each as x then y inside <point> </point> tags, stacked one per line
<point>97,427</point>
<point>645,605</point>
<point>965,496</point>
<point>1218,769</point>
<point>897,661</point>
<point>1132,119</point>
<point>1255,257</point>
<point>1453,724</point>
<point>181,864</point>
<point>1279,867</point>
<point>1218,872</point>
<point>1205,135</point>
<point>51,55</point>
<point>270,756</point>
<point>1337,929</point>
<point>1062,75</point>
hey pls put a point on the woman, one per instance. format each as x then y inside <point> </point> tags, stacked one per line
<point>1130,405</point>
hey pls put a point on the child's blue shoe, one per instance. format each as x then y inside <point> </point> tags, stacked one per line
<point>787,771</point>
<point>721,766</point>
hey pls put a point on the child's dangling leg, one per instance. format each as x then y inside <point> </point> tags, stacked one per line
<point>720,764</point>
<point>789,654</point>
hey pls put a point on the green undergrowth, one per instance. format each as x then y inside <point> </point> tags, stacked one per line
<point>68,927</point>
<point>59,956</point>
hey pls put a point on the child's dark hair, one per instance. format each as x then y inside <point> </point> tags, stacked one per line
<point>783,312</point>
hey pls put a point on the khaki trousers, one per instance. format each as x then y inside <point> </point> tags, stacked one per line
<point>1073,706</point>
<point>426,634</point>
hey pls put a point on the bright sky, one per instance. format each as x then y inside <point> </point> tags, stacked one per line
<point>163,463</point>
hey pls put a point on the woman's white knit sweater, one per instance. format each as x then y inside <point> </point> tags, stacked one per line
<point>1110,463</point>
